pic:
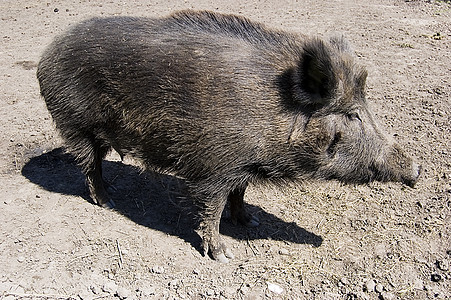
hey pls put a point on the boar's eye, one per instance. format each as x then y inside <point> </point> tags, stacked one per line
<point>353,116</point>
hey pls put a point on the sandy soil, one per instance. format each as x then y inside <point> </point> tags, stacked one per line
<point>316,240</point>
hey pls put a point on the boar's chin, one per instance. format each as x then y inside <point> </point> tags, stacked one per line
<point>356,175</point>
<point>408,175</point>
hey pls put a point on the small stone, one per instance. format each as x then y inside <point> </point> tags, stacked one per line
<point>325,282</point>
<point>387,296</point>
<point>19,290</point>
<point>275,288</point>
<point>244,289</point>
<point>110,287</point>
<point>175,283</point>
<point>284,251</point>
<point>123,293</point>
<point>370,285</point>
<point>436,277</point>
<point>147,291</point>
<point>210,292</point>
<point>418,284</point>
<point>196,272</point>
<point>443,264</point>
<point>21,259</point>
<point>95,289</point>
<point>379,288</point>
<point>158,270</point>
<point>344,281</point>
<point>86,296</point>
<point>56,10</point>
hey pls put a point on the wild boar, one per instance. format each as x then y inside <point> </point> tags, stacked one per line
<point>218,100</point>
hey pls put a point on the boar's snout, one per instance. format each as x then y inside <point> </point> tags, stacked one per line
<point>398,166</point>
<point>412,175</point>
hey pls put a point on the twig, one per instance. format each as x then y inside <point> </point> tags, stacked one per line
<point>43,296</point>
<point>252,248</point>
<point>120,254</point>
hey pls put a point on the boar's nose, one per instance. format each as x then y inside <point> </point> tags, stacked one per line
<point>411,177</point>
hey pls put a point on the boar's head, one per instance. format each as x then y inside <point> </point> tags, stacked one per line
<point>335,129</point>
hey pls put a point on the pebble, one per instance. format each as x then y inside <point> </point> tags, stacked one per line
<point>110,287</point>
<point>443,264</point>
<point>418,284</point>
<point>95,289</point>
<point>379,288</point>
<point>86,296</point>
<point>370,285</point>
<point>147,291</point>
<point>175,283</point>
<point>244,290</point>
<point>387,296</point>
<point>123,293</point>
<point>210,292</point>
<point>21,259</point>
<point>19,290</point>
<point>158,270</point>
<point>275,288</point>
<point>421,204</point>
<point>284,251</point>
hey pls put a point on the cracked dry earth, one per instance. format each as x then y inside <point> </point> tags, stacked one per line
<point>316,240</point>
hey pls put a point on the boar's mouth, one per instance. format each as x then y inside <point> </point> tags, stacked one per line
<point>412,178</point>
<point>407,176</point>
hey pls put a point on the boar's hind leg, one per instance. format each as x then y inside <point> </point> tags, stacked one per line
<point>237,210</point>
<point>90,156</point>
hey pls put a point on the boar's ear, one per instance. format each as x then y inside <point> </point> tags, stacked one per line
<point>316,78</point>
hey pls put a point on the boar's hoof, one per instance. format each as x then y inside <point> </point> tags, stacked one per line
<point>222,253</point>
<point>250,221</point>
<point>109,205</point>
<point>218,251</point>
<point>245,219</point>
<point>224,257</point>
<point>253,222</point>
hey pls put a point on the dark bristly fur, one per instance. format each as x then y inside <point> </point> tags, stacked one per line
<point>216,99</point>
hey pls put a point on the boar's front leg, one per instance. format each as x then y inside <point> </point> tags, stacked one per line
<point>212,206</point>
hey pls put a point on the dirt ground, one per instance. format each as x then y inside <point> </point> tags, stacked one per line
<point>316,240</point>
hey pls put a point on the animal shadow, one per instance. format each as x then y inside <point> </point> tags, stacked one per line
<point>158,201</point>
